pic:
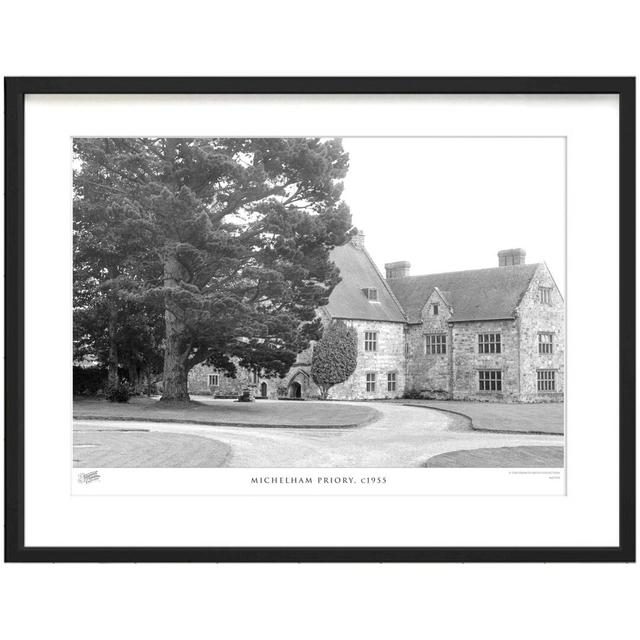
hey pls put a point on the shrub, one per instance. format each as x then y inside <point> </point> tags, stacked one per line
<point>435,394</point>
<point>88,381</point>
<point>412,394</point>
<point>120,392</point>
<point>334,357</point>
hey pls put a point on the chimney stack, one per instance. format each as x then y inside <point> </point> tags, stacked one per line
<point>358,240</point>
<point>510,257</point>
<point>397,269</point>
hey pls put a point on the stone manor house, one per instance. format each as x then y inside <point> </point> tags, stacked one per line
<point>493,334</point>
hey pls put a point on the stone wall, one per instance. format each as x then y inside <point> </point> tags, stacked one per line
<point>467,361</point>
<point>429,373</point>
<point>227,386</point>
<point>389,357</point>
<point>454,374</point>
<point>519,359</point>
<point>299,374</point>
<point>535,317</point>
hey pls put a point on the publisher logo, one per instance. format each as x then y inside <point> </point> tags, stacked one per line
<point>89,476</point>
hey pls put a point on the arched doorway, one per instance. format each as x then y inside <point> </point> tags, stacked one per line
<point>295,390</point>
<point>263,389</point>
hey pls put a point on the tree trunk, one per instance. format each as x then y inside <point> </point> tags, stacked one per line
<point>112,376</point>
<point>175,362</point>
<point>113,347</point>
<point>176,351</point>
<point>175,379</point>
<point>133,377</point>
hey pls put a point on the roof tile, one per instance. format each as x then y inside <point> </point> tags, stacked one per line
<point>479,294</point>
<point>359,272</point>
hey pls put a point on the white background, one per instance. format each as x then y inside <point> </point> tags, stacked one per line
<point>587,516</point>
<point>463,38</point>
<point>509,191</point>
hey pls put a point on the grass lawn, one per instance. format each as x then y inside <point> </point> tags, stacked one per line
<point>501,457</point>
<point>497,416</point>
<point>263,413</point>
<point>121,448</point>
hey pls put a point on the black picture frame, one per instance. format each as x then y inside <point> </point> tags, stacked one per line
<point>15,91</point>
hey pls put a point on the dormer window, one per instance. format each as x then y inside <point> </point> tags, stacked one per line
<point>371,294</point>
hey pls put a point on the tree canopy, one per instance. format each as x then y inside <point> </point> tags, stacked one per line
<point>222,244</point>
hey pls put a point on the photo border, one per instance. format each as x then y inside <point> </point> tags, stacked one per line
<point>15,91</point>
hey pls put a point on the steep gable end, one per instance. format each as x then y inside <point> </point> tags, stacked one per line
<point>542,290</point>
<point>436,305</point>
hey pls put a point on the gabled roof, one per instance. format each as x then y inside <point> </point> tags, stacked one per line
<point>479,294</point>
<point>359,272</point>
<point>445,296</point>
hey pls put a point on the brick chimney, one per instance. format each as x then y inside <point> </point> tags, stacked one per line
<point>510,257</point>
<point>397,269</point>
<point>358,240</point>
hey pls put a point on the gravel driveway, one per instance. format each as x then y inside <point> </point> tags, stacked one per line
<point>401,437</point>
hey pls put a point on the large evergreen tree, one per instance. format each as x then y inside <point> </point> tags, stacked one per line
<point>335,356</point>
<point>226,240</point>
<point>109,325</point>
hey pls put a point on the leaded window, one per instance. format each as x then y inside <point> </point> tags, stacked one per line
<point>545,295</point>
<point>545,343</point>
<point>371,293</point>
<point>489,343</point>
<point>435,343</point>
<point>371,382</point>
<point>546,380</point>
<point>370,341</point>
<point>490,380</point>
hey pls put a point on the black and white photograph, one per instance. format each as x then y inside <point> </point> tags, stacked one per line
<point>320,320</point>
<point>318,302</point>
<point>364,315</point>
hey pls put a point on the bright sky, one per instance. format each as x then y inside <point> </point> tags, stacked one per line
<point>449,204</point>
